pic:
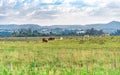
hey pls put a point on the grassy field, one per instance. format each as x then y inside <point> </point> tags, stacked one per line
<point>70,56</point>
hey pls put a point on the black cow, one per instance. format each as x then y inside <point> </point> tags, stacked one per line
<point>51,38</point>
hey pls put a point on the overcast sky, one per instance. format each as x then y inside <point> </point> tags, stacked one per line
<point>52,12</point>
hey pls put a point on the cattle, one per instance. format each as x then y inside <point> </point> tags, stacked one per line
<point>86,36</point>
<point>51,38</point>
<point>105,35</point>
<point>44,40</point>
<point>61,38</point>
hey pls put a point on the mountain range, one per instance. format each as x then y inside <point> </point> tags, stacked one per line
<point>106,27</point>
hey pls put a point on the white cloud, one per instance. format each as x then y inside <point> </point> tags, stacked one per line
<point>11,1</point>
<point>1,3</point>
<point>26,6</point>
<point>49,1</point>
<point>68,1</point>
<point>59,11</point>
<point>35,2</point>
<point>91,1</point>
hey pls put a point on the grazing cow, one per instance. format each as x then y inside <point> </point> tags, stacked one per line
<point>86,36</point>
<point>44,40</point>
<point>61,38</point>
<point>51,38</point>
<point>105,35</point>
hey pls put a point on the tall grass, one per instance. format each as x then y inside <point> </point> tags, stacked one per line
<point>74,56</point>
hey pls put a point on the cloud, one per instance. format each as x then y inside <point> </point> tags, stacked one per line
<point>113,5</point>
<point>2,16</point>
<point>11,1</point>
<point>106,9</point>
<point>43,14</point>
<point>1,3</point>
<point>49,1</point>
<point>58,11</point>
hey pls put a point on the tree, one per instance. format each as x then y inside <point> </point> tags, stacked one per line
<point>116,33</point>
<point>26,33</point>
<point>93,32</point>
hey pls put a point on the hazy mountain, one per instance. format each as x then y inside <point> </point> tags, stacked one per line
<point>12,27</point>
<point>70,27</point>
<point>107,28</point>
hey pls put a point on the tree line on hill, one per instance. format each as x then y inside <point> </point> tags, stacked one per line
<point>117,33</point>
<point>35,33</point>
<point>25,33</point>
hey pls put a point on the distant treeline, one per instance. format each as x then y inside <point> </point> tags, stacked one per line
<point>117,33</point>
<point>35,33</point>
<point>25,33</point>
<point>93,32</point>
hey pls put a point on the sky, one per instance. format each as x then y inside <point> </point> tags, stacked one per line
<point>59,12</point>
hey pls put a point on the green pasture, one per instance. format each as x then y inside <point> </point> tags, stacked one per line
<point>70,56</point>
